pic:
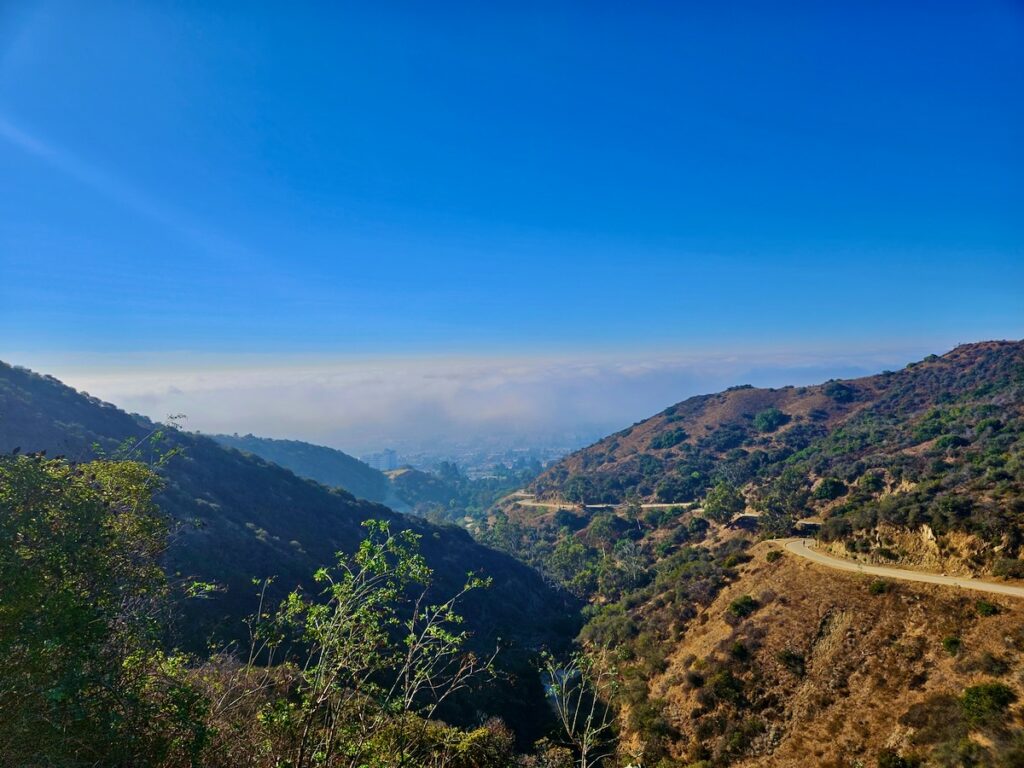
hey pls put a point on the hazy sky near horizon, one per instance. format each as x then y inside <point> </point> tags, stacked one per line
<point>434,402</point>
<point>558,183</point>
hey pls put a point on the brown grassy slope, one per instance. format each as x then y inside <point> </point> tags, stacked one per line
<point>876,672</point>
<point>698,417</point>
<point>612,464</point>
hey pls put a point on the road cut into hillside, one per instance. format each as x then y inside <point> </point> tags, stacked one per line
<point>805,548</point>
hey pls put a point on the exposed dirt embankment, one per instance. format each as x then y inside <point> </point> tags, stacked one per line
<point>954,553</point>
<point>797,665</point>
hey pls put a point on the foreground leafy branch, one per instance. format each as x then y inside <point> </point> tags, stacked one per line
<point>581,689</point>
<point>374,648</point>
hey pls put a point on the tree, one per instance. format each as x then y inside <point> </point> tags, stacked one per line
<point>986,704</point>
<point>578,489</point>
<point>631,560</point>
<point>841,393</point>
<point>449,472</point>
<point>830,488</point>
<point>723,503</point>
<point>570,564</point>
<point>602,531</point>
<point>782,502</point>
<point>634,511</point>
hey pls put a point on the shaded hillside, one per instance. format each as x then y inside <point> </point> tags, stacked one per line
<point>243,518</point>
<point>448,495</point>
<point>444,496</point>
<point>327,466</point>
<point>418,488</point>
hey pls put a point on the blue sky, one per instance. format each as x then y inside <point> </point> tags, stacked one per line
<point>337,180</point>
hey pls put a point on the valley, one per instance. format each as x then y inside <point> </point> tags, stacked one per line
<point>511,385</point>
<point>760,572</point>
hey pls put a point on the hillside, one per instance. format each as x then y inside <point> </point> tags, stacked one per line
<point>241,518</point>
<point>328,466</point>
<point>724,658</point>
<point>420,488</point>
<point>939,442</point>
<point>835,668</point>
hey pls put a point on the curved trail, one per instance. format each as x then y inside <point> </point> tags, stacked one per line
<point>528,500</point>
<point>803,548</point>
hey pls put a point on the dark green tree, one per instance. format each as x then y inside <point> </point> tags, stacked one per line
<point>723,503</point>
<point>769,420</point>
<point>783,502</point>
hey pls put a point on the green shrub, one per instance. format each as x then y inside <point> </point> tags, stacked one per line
<point>647,717</point>
<point>668,439</point>
<point>773,555</point>
<point>792,660</point>
<point>1009,568</point>
<point>725,686</point>
<point>841,393</point>
<point>741,737</point>
<point>610,627</point>
<point>951,441</point>
<point>889,758</point>
<point>565,519</point>
<point>734,559</point>
<point>986,704</point>
<point>985,608</point>
<point>769,420</point>
<point>743,606</point>
<point>952,645</point>
<point>879,587</point>
<point>739,651</point>
<point>872,483</point>
<point>988,424</point>
<point>82,592</point>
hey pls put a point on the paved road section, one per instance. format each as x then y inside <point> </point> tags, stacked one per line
<point>804,548</point>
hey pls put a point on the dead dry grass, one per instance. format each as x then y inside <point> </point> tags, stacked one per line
<point>869,658</point>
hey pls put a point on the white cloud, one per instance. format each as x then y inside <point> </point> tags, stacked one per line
<point>361,405</point>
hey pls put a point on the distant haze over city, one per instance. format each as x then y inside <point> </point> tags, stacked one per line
<point>447,407</point>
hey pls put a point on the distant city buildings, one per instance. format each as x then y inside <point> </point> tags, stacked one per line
<point>384,461</point>
<point>478,459</point>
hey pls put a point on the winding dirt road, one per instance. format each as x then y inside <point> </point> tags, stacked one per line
<point>528,500</point>
<point>803,548</point>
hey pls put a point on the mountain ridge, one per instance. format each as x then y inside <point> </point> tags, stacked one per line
<point>328,466</point>
<point>671,456</point>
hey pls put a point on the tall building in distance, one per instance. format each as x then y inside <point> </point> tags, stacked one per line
<point>384,461</point>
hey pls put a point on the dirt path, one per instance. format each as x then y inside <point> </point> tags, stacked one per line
<point>804,548</point>
<point>527,500</point>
